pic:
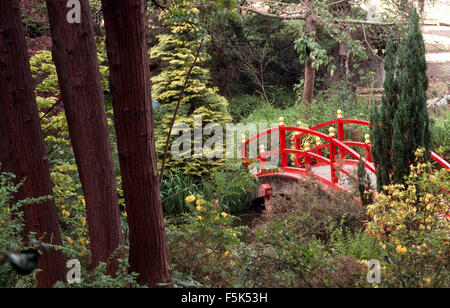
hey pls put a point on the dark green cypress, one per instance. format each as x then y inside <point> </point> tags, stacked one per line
<point>401,124</point>
<point>381,119</point>
<point>411,121</point>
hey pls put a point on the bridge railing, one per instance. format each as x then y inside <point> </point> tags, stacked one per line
<point>338,149</point>
<point>306,155</point>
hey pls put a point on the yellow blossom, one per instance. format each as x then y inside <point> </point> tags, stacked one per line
<point>224,214</point>
<point>226,254</point>
<point>190,198</point>
<point>401,249</point>
<point>200,208</point>
<point>428,280</point>
<point>65,213</point>
<point>199,217</point>
<point>69,240</point>
<point>199,202</point>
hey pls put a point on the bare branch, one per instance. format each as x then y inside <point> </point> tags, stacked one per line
<point>370,47</point>
<point>303,16</point>
<point>336,2</point>
<point>177,107</point>
<point>364,22</point>
<point>281,17</point>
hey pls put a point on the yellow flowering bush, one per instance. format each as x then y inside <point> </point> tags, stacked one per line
<point>412,224</point>
<point>202,242</point>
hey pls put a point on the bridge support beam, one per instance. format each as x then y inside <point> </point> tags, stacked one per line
<point>266,191</point>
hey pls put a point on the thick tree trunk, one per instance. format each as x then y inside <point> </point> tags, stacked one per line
<point>308,87</point>
<point>130,90</point>
<point>24,141</point>
<point>75,56</point>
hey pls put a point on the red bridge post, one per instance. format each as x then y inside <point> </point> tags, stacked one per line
<point>340,131</point>
<point>367,148</point>
<point>307,157</point>
<point>282,136</point>
<point>334,178</point>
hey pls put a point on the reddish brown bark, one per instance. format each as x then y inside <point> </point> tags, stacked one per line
<point>24,141</point>
<point>130,91</point>
<point>75,55</point>
<point>308,87</point>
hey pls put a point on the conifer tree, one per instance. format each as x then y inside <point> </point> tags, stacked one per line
<point>401,124</point>
<point>411,122</point>
<point>178,49</point>
<point>381,119</point>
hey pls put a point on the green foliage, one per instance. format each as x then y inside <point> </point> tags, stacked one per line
<point>412,224</point>
<point>358,245</point>
<point>382,118</point>
<point>242,106</point>
<point>411,121</point>
<point>231,187</point>
<point>322,109</point>
<point>98,278</point>
<point>401,124</point>
<point>309,49</point>
<point>201,242</point>
<point>175,187</point>
<point>440,126</point>
<point>11,231</point>
<point>178,49</point>
<point>300,242</point>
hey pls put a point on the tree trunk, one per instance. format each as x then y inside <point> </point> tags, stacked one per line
<point>421,6</point>
<point>130,90</point>
<point>75,56</point>
<point>310,73</point>
<point>28,160</point>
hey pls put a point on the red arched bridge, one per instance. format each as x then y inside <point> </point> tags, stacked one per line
<point>325,160</point>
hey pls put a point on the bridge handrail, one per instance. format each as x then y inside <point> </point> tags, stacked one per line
<point>332,143</point>
<point>331,140</point>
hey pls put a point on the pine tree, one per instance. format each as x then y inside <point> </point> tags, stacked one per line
<point>381,119</point>
<point>178,49</point>
<point>411,122</point>
<point>401,124</point>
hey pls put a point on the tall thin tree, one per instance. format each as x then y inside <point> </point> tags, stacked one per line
<point>310,73</point>
<point>133,117</point>
<point>411,121</point>
<point>21,137</point>
<point>75,57</point>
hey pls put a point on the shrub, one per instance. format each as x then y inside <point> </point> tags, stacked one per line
<point>11,231</point>
<point>242,106</point>
<point>322,211</point>
<point>202,242</point>
<point>177,49</point>
<point>440,126</point>
<point>175,187</point>
<point>412,224</point>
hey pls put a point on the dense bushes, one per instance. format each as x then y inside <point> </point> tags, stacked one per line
<point>303,242</point>
<point>231,187</point>
<point>440,127</point>
<point>12,224</point>
<point>412,224</point>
